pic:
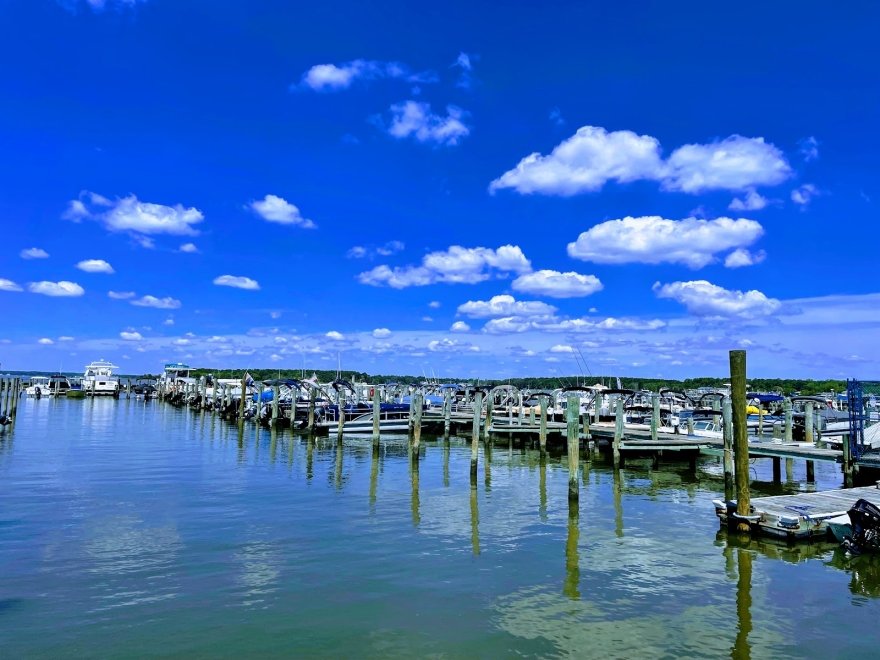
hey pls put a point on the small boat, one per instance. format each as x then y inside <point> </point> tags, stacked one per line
<point>865,528</point>
<point>840,527</point>
<point>58,385</point>
<point>38,386</point>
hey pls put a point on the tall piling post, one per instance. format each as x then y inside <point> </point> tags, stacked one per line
<point>655,415</point>
<point>242,404</point>
<point>542,430</point>
<point>377,410</point>
<point>740,437</point>
<point>490,405</point>
<point>786,416</point>
<point>417,427</point>
<point>618,432</point>
<point>16,394</point>
<point>808,422</point>
<point>312,397</point>
<point>571,415</point>
<point>447,412</point>
<point>276,393</point>
<point>727,433</point>
<point>475,435</point>
<point>340,422</point>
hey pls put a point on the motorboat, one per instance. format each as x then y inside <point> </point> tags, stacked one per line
<point>38,386</point>
<point>98,379</point>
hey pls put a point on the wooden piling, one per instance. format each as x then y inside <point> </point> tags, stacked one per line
<point>727,433</point>
<point>786,412</point>
<point>740,437</point>
<point>542,431</point>
<point>377,411</point>
<point>811,472</point>
<point>312,396</point>
<point>777,469</point>
<point>777,431</point>
<point>475,435</point>
<point>447,412</point>
<point>808,422</point>
<point>618,432</point>
<point>760,419</point>
<point>340,422</point>
<point>16,394</point>
<point>655,415</point>
<point>572,415</point>
<point>690,425</point>
<point>243,401</point>
<point>276,393</point>
<point>417,426</point>
<point>490,401</point>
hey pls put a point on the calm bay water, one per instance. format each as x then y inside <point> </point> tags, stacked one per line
<point>131,528</point>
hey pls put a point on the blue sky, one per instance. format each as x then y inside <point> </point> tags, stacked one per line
<point>468,189</point>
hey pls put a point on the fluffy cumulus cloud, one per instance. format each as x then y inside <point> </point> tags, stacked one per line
<point>751,201</point>
<point>337,77</point>
<point>237,282</point>
<point>129,214</point>
<point>156,303</point>
<point>561,348</point>
<point>130,335</point>
<point>386,250</point>
<point>8,285</point>
<point>553,284</point>
<point>95,266</point>
<point>694,242</point>
<point>415,119</point>
<point>513,324</point>
<point>189,248</point>
<point>504,305</point>
<point>447,345</point>
<point>277,209</point>
<point>803,195</point>
<point>62,289</point>
<point>33,253</point>
<point>593,156</point>
<point>702,298</point>
<point>742,257</point>
<point>45,341</point>
<point>381,333</point>
<point>335,335</point>
<point>457,265</point>
<point>460,326</point>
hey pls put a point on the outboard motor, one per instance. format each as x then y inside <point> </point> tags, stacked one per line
<point>865,519</point>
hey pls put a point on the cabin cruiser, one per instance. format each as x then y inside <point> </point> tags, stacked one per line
<point>98,379</point>
<point>39,386</point>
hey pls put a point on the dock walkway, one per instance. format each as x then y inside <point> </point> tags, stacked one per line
<point>800,516</point>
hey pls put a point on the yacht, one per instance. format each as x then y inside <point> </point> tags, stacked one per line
<point>98,379</point>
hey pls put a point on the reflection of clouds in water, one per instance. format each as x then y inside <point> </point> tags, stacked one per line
<point>134,561</point>
<point>260,563</point>
<point>581,628</point>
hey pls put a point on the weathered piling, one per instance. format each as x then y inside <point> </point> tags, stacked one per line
<point>618,432</point>
<point>243,401</point>
<point>377,409</point>
<point>490,405</point>
<point>655,415</point>
<point>740,437</point>
<point>475,435</point>
<point>340,422</point>
<point>808,422</point>
<point>447,413</point>
<point>417,426</point>
<point>571,415</point>
<point>786,413</point>
<point>727,433</point>
<point>276,393</point>
<point>690,425</point>
<point>542,431</point>
<point>16,394</point>
<point>777,431</point>
<point>312,396</point>
<point>760,420</point>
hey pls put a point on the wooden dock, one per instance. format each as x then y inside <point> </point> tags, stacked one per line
<point>800,516</point>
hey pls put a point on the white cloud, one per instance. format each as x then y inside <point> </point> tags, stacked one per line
<point>504,305</point>
<point>809,148</point>
<point>100,5</point>
<point>435,304</point>
<point>8,285</point>
<point>237,282</point>
<point>121,295</point>
<point>457,265</point>
<point>752,201</point>
<point>386,250</point>
<point>62,289</point>
<point>45,341</point>
<point>95,266</point>
<point>189,248</point>
<point>735,163</point>
<point>556,117</point>
<point>447,345</point>
<point>130,335</point>
<point>460,326</point>
<point>428,319</point>
<point>703,298</point>
<point>513,324</point>
<point>653,240</point>
<point>742,257</point>
<point>277,209</point>
<point>138,218</point>
<point>168,321</point>
<point>33,253</point>
<point>804,194</point>
<point>158,303</point>
<point>336,77</point>
<point>381,333</point>
<point>554,284</point>
<point>415,119</point>
<point>335,336</point>
<point>66,338</point>
<point>594,156</point>
<point>357,252</point>
<point>561,348</point>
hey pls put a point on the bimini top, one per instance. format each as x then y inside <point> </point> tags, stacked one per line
<point>101,365</point>
<point>177,366</point>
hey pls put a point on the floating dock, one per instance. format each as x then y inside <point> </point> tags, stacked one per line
<point>801,516</point>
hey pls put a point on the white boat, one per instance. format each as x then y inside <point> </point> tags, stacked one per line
<point>39,386</point>
<point>98,379</point>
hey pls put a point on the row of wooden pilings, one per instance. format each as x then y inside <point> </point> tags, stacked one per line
<point>10,391</point>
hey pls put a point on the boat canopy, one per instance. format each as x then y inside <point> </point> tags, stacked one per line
<point>764,398</point>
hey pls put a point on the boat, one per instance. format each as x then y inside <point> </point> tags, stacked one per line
<point>38,386</point>
<point>98,379</point>
<point>58,385</point>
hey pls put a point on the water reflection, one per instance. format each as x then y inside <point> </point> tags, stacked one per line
<point>542,488</point>
<point>475,518</point>
<point>374,476</point>
<point>741,648</point>
<point>616,491</point>
<point>571,588</point>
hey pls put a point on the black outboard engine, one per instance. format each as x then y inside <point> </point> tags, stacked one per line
<point>865,519</point>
